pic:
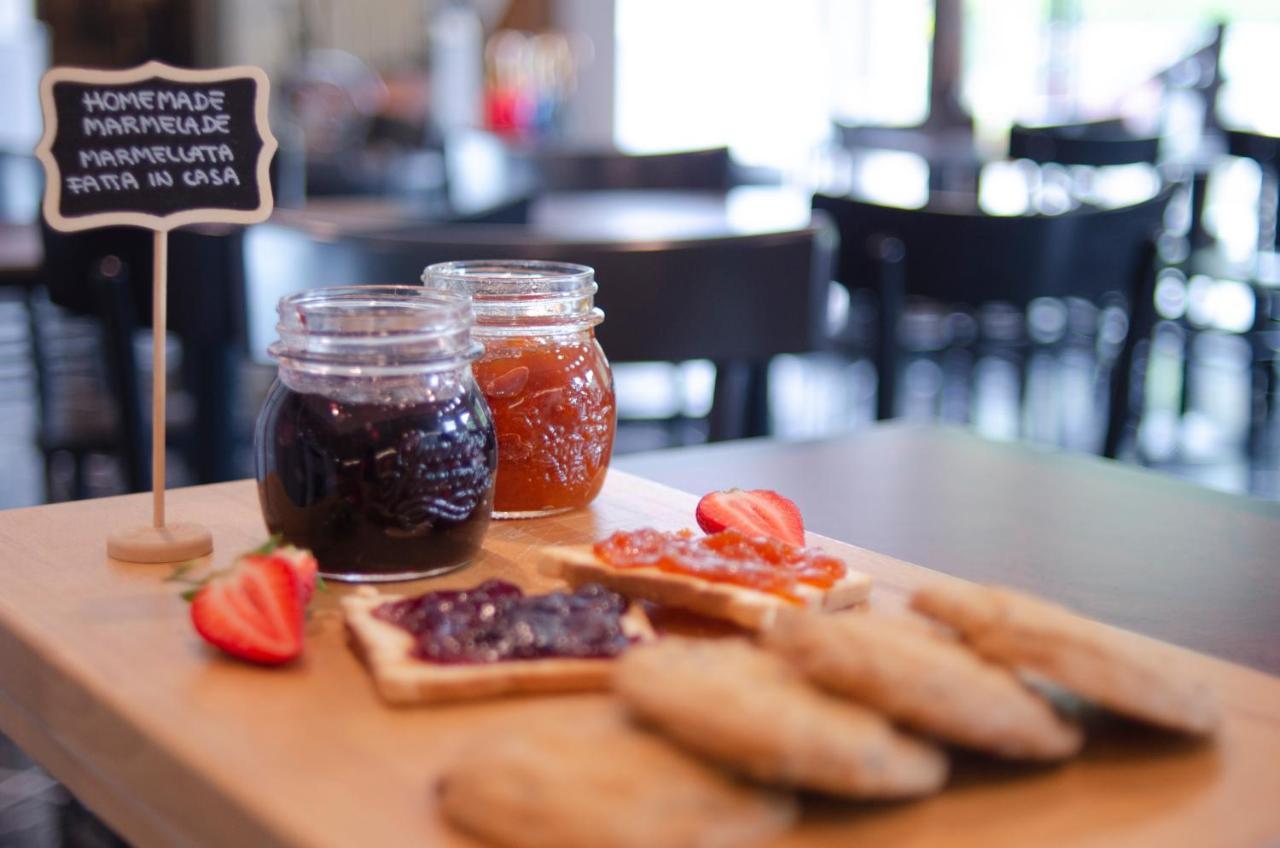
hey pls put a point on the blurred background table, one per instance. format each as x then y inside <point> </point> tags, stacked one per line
<point>1139,550</point>
<point>634,215</point>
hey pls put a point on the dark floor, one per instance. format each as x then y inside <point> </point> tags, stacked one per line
<point>37,812</point>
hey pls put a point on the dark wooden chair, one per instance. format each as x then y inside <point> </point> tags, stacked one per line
<point>1067,158</point>
<point>592,170</point>
<point>737,301</point>
<point>1096,144</point>
<point>104,276</point>
<point>975,259</point>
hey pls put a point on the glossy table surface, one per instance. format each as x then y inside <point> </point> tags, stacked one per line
<point>1132,547</point>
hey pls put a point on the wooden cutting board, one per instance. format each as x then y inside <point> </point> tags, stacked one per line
<point>103,681</point>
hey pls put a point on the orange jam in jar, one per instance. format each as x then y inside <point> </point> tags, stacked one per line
<point>544,377</point>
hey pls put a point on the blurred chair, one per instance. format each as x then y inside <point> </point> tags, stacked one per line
<point>737,301</point>
<point>1097,144</point>
<point>1264,281</point>
<point>1066,158</point>
<point>1198,73</point>
<point>88,394</point>
<point>105,275</point>
<point>1265,150</point>
<point>568,170</point>
<point>976,259</point>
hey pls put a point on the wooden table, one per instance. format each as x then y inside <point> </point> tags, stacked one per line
<point>1134,548</point>
<point>103,681</point>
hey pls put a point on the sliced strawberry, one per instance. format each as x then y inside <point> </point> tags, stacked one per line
<point>756,512</point>
<point>304,565</point>
<point>253,611</point>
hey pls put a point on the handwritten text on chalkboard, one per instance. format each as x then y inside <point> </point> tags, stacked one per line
<point>157,145</point>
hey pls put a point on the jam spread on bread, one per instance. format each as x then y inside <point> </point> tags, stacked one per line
<point>495,621</point>
<point>753,562</point>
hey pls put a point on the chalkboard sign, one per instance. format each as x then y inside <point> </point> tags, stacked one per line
<point>155,146</point>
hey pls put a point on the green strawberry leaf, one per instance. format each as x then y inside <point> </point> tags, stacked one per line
<point>269,546</point>
<point>179,573</point>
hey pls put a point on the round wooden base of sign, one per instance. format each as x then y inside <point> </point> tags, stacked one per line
<point>171,543</point>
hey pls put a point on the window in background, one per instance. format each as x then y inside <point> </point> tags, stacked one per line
<point>880,60</point>
<point>721,72</point>
<point>766,78</point>
<point>1250,68</point>
<point>1006,49</point>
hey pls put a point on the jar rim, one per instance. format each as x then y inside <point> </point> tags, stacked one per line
<point>374,330</point>
<point>494,279</point>
<point>518,296</point>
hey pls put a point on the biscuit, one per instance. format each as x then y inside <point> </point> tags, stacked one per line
<point>600,782</point>
<point>1118,670</point>
<point>932,684</point>
<point>749,709</point>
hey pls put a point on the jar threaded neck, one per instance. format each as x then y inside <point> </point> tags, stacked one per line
<point>512,297</point>
<point>372,331</point>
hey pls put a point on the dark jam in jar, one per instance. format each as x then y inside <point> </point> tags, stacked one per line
<point>375,448</point>
<point>496,621</point>
<point>377,491</point>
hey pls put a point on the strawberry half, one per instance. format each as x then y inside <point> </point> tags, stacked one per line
<point>304,566</point>
<point>756,512</point>
<point>253,611</point>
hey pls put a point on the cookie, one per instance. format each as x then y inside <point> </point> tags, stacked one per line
<point>1118,670</point>
<point>749,709</point>
<point>932,684</point>
<point>599,782</point>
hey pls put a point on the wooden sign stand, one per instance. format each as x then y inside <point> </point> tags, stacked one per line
<point>156,147</point>
<point>161,541</point>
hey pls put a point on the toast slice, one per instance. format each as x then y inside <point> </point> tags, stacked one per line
<point>746,607</point>
<point>402,679</point>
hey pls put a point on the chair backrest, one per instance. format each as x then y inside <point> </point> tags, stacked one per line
<point>1263,149</point>
<point>742,297</point>
<point>1098,144</point>
<point>555,170</point>
<point>205,276</point>
<point>977,258</point>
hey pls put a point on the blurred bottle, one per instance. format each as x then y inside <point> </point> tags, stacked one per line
<point>457,63</point>
<point>508,96</point>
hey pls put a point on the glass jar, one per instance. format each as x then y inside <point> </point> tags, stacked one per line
<point>545,378</point>
<point>374,448</point>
